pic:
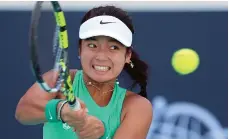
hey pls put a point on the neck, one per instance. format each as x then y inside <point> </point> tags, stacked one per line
<point>101,92</point>
<point>99,88</point>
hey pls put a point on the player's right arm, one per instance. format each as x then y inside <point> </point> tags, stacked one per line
<point>30,109</point>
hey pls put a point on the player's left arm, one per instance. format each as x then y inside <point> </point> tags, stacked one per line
<point>137,119</point>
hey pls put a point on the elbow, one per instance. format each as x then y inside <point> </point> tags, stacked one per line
<point>20,114</point>
<point>18,118</point>
<point>25,116</point>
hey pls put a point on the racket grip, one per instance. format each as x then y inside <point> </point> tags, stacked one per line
<point>76,105</point>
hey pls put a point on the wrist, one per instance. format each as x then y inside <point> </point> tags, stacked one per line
<point>51,110</point>
<point>60,110</point>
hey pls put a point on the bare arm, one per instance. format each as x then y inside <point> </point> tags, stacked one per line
<point>137,119</point>
<point>30,109</point>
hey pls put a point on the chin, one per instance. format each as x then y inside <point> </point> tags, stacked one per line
<point>101,78</point>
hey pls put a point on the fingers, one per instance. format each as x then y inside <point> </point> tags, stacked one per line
<point>90,133</point>
<point>77,119</point>
<point>78,116</point>
<point>74,118</point>
<point>79,113</point>
<point>82,104</point>
<point>92,129</point>
<point>87,132</point>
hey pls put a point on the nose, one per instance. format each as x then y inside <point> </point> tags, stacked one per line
<point>102,53</point>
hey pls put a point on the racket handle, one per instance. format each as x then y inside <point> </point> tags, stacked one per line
<point>75,106</point>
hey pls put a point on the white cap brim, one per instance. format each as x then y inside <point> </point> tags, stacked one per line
<point>106,26</point>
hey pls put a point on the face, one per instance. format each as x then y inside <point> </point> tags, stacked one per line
<point>103,58</point>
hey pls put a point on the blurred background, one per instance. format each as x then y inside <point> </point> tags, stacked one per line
<point>190,106</point>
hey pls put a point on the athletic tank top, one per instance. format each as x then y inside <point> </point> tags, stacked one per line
<point>110,114</point>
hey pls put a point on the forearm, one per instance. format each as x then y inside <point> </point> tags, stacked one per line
<point>31,112</point>
<point>32,106</point>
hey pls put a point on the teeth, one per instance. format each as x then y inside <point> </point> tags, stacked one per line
<point>101,68</point>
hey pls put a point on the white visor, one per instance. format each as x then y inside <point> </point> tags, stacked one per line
<point>106,26</point>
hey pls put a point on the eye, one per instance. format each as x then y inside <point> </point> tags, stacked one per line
<point>91,45</point>
<point>114,47</point>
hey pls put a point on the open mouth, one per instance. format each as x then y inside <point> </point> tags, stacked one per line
<point>101,68</point>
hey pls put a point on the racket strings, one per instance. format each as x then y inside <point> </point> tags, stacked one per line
<point>58,53</point>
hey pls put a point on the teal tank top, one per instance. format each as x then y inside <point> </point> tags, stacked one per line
<point>110,114</point>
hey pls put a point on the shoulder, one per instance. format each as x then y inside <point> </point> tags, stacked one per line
<point>137,105</point>
<point>136,101</point>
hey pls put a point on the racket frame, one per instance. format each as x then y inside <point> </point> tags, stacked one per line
<point>64,82</point>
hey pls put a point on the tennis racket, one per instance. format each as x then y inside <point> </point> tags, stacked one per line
<point>59,53</point>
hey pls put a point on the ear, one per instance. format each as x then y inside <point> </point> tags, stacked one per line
<point>128,56</point>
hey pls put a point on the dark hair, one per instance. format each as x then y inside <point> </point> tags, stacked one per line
<point>139,73</point>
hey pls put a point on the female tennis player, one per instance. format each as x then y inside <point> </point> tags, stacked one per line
<point>108,111</point>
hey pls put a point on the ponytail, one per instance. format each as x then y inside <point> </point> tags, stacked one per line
<point>139,73</point>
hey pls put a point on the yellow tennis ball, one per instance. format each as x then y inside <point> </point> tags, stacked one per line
<point>185,61</point>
